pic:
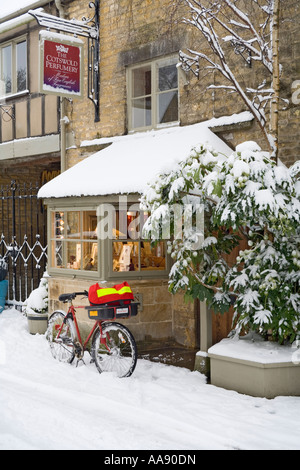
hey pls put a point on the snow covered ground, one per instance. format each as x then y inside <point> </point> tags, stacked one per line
<point>46,405</point>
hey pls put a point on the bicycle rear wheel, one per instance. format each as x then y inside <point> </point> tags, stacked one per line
<point>115,351</point>
<point>61,336</point>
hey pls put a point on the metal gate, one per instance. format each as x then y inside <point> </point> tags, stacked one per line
<point>23,240</point>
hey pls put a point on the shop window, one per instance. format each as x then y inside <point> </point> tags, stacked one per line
<point>130,252</point>
<point>76,239</point>
<point>153,94</point>
<point>74,242</point>
<point>13,67</point>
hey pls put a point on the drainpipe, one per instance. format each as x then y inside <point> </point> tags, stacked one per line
<point>63,138</point>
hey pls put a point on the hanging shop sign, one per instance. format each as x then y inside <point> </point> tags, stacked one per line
<point>61,65</point>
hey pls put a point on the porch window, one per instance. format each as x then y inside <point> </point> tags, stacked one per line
<point>130,252</point>
<point>74,243</point>
<point>89,243</point>
<point>153,94</point>
<point>13,67</point>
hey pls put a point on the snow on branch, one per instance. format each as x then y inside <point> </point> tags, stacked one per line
<point>251,38</point>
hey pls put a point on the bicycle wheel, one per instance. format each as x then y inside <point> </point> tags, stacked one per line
<point>116,351</point>
<point>61,341</point>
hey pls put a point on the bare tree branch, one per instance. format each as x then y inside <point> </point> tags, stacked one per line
<point>211,17</point>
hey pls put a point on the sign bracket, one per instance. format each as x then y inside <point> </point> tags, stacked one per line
<point>88,28</point>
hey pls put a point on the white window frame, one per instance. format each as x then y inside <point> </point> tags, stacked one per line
<point>14,70</point>
<point>154,65</point>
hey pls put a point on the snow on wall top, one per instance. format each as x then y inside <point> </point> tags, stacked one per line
<point>131,161</point>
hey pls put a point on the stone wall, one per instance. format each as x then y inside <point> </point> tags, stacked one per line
<point>132,31</point>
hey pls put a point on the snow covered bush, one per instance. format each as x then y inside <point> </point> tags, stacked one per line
<point>245,196</point>
<point>37,301</point>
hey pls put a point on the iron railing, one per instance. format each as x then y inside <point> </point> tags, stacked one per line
<point>23,239</point>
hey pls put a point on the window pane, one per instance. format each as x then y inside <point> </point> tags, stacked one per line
<point>167,78</point>
<point>90,256</point>
<point>73,225</point>
<point>141,81</point>
<point>57,254</point>
<point>141,112</point>
<point>73,255</point>
<point>125,256</point>
<point>58,225</point>
<point>21,54</point>
<point>153,258</point>
<point>89,229</point>
<point>168,107</point>
<point>7,68</point>
<point>129,224</point>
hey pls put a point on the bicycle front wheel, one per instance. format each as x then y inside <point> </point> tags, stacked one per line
<point>61,336</point>
<point>115,350</point>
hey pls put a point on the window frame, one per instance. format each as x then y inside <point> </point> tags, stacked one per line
<point>105,250</point>
<point>74,273</point>
<point>154,64</point>
<point>14,66</point>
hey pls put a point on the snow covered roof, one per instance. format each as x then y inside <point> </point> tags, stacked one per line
<point>131,161</point>
<point>18,6</point>
<point>16,22</point>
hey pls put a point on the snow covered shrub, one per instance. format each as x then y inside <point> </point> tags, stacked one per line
<point>37,301</point>
<point>245,196</point>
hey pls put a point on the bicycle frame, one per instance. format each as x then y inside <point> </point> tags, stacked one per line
<point>98,324</point>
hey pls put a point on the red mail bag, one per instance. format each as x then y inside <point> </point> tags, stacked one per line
<point>116,295</point>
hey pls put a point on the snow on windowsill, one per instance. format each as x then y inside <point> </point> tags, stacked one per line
<point>13,95</point>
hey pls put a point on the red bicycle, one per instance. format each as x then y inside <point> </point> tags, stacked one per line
<point>113,347</point>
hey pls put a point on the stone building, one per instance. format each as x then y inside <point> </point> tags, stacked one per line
<point>29,125</point>
<point>141,90</point>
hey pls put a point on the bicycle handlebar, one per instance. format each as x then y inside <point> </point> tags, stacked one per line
<point>68,297</point>
<point>84,293</point>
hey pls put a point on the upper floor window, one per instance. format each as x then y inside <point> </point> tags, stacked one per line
<point>13,67</point>
<point>153,94</point>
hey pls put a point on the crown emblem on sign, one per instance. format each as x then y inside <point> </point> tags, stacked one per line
<point>62,49</point>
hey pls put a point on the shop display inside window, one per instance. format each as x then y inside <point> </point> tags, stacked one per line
<point>134,253</point>
<point>74,240</point>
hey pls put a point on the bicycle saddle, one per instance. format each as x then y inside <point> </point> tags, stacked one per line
<point>66,297</point>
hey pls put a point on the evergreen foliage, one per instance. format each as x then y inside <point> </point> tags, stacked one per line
<point>245,197</point>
